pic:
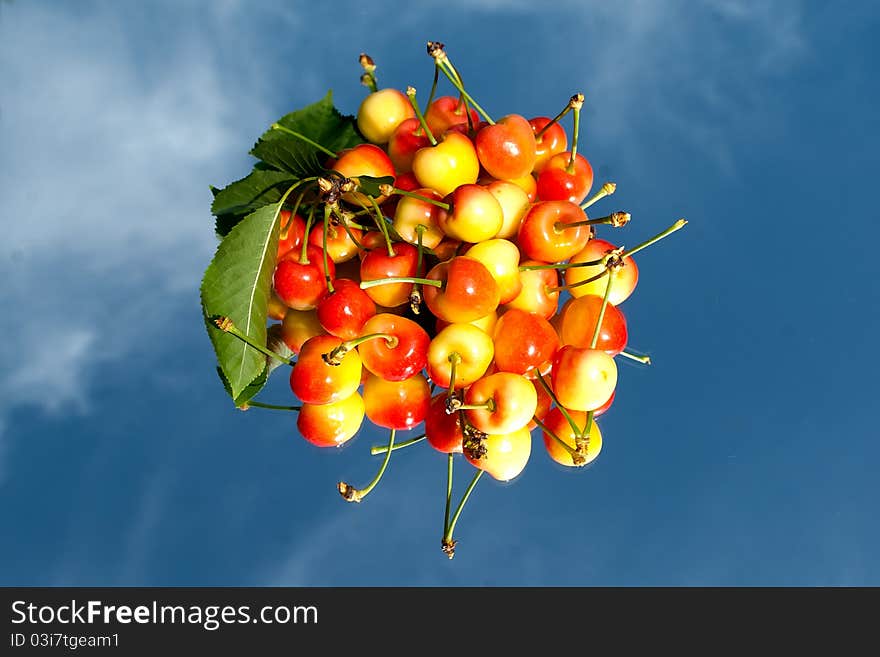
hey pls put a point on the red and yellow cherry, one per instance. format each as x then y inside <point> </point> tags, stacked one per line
<point>523,341</point>
<point>331,425</point>
<point>545,402</point>
<point>579,319</point>
<point>340,245</point>
<point>452,162</point>
<point>291,234</point>
<point>583,379</point>
<point>413,212</point>
<point>535,296</point>
<point>447,111</point>
<point>500,403</point>
<point>275,307</point>
<point>485,323</point>
<point>558,424</point>
<point>474,214</point>
<point>314,381</point>
<point>553,141</point>
<point>468,291</point>
<point>604,407</point>
<point>343,312</point>
<point>557,183</point>
<point>403,144</point>
<point>507,149</point>
<point>377,264</point>
<point>298,326</point>
<point>442,429</point>
<point>362,160</point>
<point>406,182</point>
<point>396,404</point>
<point>381,113</point>
<point>547,234</point>
<point>501,258</point>
<point>624,277</point>
<point>467,346</point>
<point>300,285</point>
<point>398,359</point>
<point>514,202</point>
<point>506,455</point>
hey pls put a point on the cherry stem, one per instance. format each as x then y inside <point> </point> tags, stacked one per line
<point>415,297</point>
<point>568,448</point>
<point>304,252</point>
<point>604,272</point>
<point>351,494</point>
<point>644,360</point>
<point>576,102</point>
<point>553,121</point>
<point>562,409</point>
<point>400,279</point>
<point>382,226</point>
<point>375,450</point>
<point>426,199</point>
<point>274,407</point>
<point>582,440</point>
<point>302,137</point>
<point>346,226</point>
<point>563,265</point>
<point>449,465</point>
<point>448,543</point>
<point>368,79</point>
<point>293,212</point>
<point>434,84</point>
<point>327,211</point>
<point>681,223</point>
<point>391,340</point>
<point>227,326</point>
<point>450,72</point>
<point>411,94</point>
<point>598,329</point>
<point>454,359</point>
<point>488,405</point>
<point>616,219</point>
<point>607,189</point>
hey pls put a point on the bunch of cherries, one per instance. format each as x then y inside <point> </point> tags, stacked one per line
<point>446,274</point>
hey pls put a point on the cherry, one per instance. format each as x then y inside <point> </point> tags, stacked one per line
<point>469,291</point>
<point>378,265</point>
<point>292,232</point>
<point>298,326</point>
<point>507,148</point>
<point>551,231</point>
<point>504,455</point>
<point>442,429</point>
<point>624,277</point>
<point>501,258</point>
<point>552,140</point>
<point>558,424</point>
<point>340,245</point>
<point>343,312</point>
<point>406,140</point>
<point>447,111</point>
<point>315,381</point>
<point>560,181</point>
<point>523,341</point>
<point>500,403</point>
<point>331,425</point>
<point>538,294</point>
<point>397,359</point>
<point>362,160</point>
<point>579,317</point>
<point>381,112</point>
<point>396,404</point>
<point>461,352</point>
<point>452,162</point>
<point>299,283</point>
<point>583,379</point>
<point>473,214</point>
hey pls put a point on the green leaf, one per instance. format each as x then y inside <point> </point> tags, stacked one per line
<point>236,285</point>
<point>320,122</point>
<point>260,187</point>
<point>250,391</point>
<point>370,185</point>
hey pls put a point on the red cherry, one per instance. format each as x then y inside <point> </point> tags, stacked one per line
<point>555,183</point>
<point>447,111</point>
<point>405,357</point>
<point>378,264</point>
<point>469,291</point>
<point>553,141</point>
<point>397,404</point>
<point>343,312</point>
<point>292,232</point>
<point>544,234</point>
<point>523,341</point>
<point>300,285</point>
<point>507,149</point>
<point>578,323</point>
<point>442,429</point>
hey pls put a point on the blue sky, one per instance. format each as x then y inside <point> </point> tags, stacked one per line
<point>745,455</point>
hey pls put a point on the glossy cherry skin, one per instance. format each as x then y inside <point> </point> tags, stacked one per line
<point>442,429</point>
<point>469,291</point>
<point>412,212</point>
<point>381,112</point>
<point>315,382</point>
<point>583,379</point>
<point>501,258</point>
<point>553,141</point>
<point>291,234</point>
<point>301,285</point>
<point>362,160</point>
<point>507,149</point>
<point>545,402</point>
<point>535,297</point>
<point>625,278</point>
<point>452,162</point>
<point>523,341</point>
<point>555,183</point>
<point>541,238</point>
<point>378,264</point>
<point>447,111</point>
<point>333,424</point>
<point>340,245</point>
<point>474,214</point>
<point>473,347</point>
<point>579,319</point>
<point>344,311</point>
<point>402,359</point>
<point>558,424</point>
<point>397,404</point>
<point>506,454</point>
<point>298,326</point>
<point>513,398</point>
<point>403,144</point>
<point>604,407</point>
